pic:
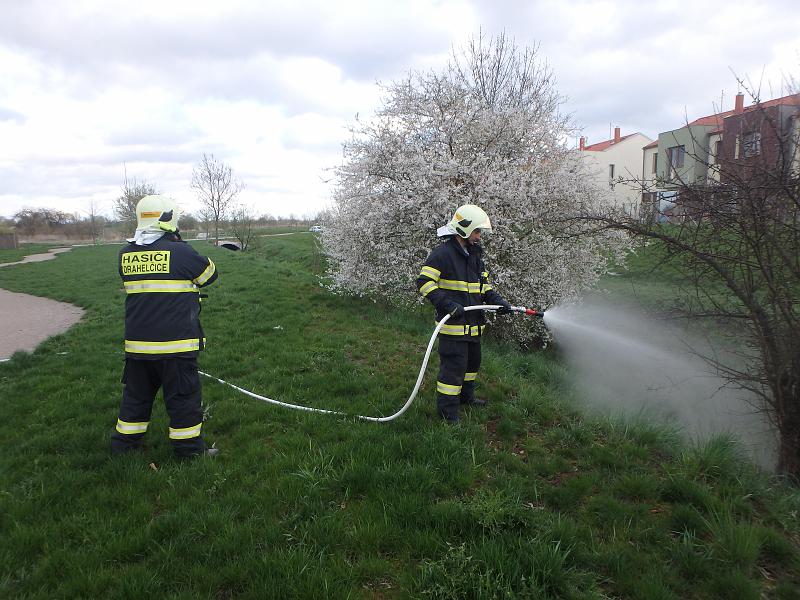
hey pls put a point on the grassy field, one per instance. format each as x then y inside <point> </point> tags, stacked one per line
<point>526,499</point>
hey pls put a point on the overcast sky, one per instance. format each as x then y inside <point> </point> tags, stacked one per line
<point>90,89</point>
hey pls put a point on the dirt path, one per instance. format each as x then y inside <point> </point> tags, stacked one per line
<point>26,321</point>
<point>51,254</point>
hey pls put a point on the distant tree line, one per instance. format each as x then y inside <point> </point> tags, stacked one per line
<point>30,222</point>
<point>220,215</point>
<point>49,221</point>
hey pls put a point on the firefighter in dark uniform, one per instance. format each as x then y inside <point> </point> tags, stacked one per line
<point>162,276</point>
<point>453,277</point>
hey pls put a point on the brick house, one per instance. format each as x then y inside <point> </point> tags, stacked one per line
<point>759,139</point>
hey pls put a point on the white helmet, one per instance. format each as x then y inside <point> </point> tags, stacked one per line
<point>156,213</point>
<point>467,219</point>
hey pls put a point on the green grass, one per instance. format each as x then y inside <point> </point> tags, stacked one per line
<point>527,498</point>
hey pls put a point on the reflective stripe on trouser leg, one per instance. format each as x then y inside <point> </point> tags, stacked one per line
<point>126,428</point>
<point>452,366</point>
<point>185,433</point>
<point>450,390</point>
<point>141,380</point>
<point>473,365</point>
<point>181,386</point>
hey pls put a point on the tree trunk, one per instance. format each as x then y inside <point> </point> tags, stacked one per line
<point>789,429</point>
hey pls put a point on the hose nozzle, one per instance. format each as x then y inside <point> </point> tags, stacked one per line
<point>528,311</point>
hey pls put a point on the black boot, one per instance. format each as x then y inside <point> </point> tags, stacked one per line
<point>468,395</point>
<point>447,408</point>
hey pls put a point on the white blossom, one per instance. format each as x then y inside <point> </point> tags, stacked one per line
<point>487,130</point>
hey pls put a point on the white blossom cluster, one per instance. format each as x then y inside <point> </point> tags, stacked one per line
<point>486,131</point>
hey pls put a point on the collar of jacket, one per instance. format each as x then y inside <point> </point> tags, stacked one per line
<point>466,250</point>
<point>145,237</point>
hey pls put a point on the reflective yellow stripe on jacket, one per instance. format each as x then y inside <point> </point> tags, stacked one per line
<point>159,285</point>
<point>460,286</point>
<point>471,330</point>
<point>430,272</point>
<point>428,288</point>
<point>206,275</point>
<point>488,285</point>
<point>167,347</point>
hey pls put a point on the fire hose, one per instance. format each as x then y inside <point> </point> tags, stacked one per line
<point>439,325</point>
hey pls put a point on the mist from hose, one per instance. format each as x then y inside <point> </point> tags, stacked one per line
<point>626,363</point>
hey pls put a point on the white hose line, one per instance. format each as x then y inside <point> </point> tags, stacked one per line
<point>486,307</point>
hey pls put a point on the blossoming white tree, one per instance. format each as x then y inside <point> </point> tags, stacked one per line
<point>487,130</point>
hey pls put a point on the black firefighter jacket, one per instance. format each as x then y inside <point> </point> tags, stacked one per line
<point>162,305</point>
<point>455,275</point>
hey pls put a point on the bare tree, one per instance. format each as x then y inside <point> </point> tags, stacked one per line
<point>125,205</point>
<point>736,244</point>
<point>95,222</point>
<point>216,188</point>
<point>242,224</point>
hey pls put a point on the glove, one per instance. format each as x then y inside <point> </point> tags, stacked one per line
<point>505,308</point>
<point>456,310</point>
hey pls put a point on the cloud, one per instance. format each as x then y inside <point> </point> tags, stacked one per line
<point>646,65</point>
<point>6,114</point>
<point>365,42</point>
<point>91,89</point>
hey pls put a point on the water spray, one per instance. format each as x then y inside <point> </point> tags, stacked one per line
<point>484,307</point>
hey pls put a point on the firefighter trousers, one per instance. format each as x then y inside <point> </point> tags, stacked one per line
<point>180,382</point>
<point>459,361</point>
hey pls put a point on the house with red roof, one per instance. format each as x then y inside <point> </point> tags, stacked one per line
<point>759,139</point>
<point>720,148</point>
<point>616,164</point>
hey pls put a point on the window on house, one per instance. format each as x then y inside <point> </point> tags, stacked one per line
<point>751,144</point>
<point>655,162</point>
<point>717,150</point>
<point>675,157</point>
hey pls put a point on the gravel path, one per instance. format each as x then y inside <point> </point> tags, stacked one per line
<point>26,321</point>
